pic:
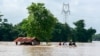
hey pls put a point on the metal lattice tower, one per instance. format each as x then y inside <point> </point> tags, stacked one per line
<point>65,11</point>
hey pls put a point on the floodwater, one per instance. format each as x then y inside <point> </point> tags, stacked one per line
<point>82,49</point>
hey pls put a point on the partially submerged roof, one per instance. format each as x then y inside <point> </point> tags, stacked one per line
<point>24,39</point>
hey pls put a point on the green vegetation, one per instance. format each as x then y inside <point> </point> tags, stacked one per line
<point>42,24</point>
<point>96,37</point>
<point>7,31</point>
<point>39,23</point>
<point>61,32</point>
<point>81,34</point>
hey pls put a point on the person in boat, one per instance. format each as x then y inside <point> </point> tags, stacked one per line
<point>16,43</point>
<point>70,43</point>
<point>60,43</point>
<point>74,44</point>
<point>63,43</point>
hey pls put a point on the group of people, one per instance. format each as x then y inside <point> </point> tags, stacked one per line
<point>70,43</point>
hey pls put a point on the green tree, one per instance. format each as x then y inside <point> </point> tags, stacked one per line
<point>80,31</point>
<point>61,32</point>
<point>21,28</point>
<point>82,34</point>
<point>1,17</point>
<point>3,20</point>
<point>90,33</point>
<point>57,36</point>
<point>7,32</point>
<point>40,22</point>
<point>96,37</point>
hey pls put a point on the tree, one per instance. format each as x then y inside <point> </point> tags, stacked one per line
<point>90,33</point>
<point>21,28</point>
<point>40,22</point>
<point>80,31</point>
<point>7,32</point>
<point>96,37</point>
<point>61,32</point>
<point>1,17</point>
<point>81,34</point>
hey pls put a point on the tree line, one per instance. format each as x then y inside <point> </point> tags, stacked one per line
<point>96,37</point>
<point>42,24</point>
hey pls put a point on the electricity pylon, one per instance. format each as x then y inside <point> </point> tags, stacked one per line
<point>65,11</point>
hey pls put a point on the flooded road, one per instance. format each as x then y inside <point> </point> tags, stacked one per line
<point>82,49</point>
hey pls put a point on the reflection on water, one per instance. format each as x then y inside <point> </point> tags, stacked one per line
<point>83,49</point>
<point>37,51</point>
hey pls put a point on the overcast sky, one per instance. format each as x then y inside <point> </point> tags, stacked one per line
<point>15,10</point>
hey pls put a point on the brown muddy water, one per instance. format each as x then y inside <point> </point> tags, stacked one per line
<point>82,49</point>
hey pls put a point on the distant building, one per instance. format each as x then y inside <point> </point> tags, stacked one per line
<point>27,41</point>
